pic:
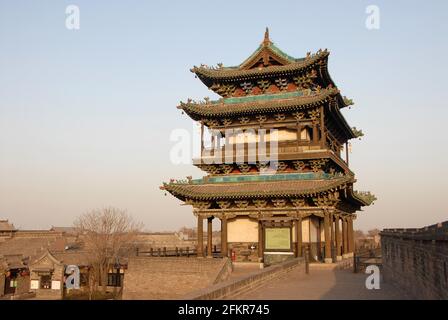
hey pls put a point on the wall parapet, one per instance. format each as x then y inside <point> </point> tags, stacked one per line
<point>171,277</point>
<point>437,232</point>
<point>239,285</point>
<point>416,260</point>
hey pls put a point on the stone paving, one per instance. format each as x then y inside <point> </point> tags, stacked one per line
<point>322,283</point>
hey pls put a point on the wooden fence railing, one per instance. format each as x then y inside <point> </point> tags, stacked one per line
<point>175,252</point>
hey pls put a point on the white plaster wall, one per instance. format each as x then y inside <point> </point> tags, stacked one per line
<point>242,230</point>
<point>305,231</point>
<point>251,136</point>
<point>305,134</point>
<point>314,224</point>
<point>291,134</point>
<point>246,230</point>
<point>286,134</point>
<point>322,230</point>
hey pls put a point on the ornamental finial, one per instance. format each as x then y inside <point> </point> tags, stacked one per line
<point>266,40</point>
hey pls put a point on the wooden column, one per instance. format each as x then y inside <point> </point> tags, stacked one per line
<point>344,237</point>
<point>213,142</point>
<point>299,244</point>
<point>353,234</point>
<point>327,238</point>
<point>202,139</point>
<point>323,137</point>
<point>209,237</point>
<point>319,240</point>
<point>218,140</point>
<point>315,133</point>
<point>218,145</point>
<point>338,238</point>
<point>348,234</point>
<point>200,244</point>
<point>299,133</point>
<point>260,240</point>
<point>351,247</point>
<point>224,236</point>
<point>346,153</point>
<point>333,251</point>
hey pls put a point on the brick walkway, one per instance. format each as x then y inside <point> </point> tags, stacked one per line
<point>322,283</point>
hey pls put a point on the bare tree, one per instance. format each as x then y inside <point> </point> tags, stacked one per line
<point>190,232</point>
<point>373,232</point>
<point>358,234</point>
<point>108,235</point>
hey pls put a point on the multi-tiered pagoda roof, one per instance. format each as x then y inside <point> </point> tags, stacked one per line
<point>271,89</point>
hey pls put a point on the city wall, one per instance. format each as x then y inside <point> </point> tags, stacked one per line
<point>170,278</point>
<point>416,260</point>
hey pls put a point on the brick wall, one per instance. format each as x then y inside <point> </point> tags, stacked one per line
<point>243,251</point>
<point>417,260</point>
<point>23,284</point>
<point>170,278</point>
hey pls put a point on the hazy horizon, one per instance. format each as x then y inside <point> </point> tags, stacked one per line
<point>86,115</point>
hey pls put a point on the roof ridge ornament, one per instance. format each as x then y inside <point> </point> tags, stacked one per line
<point>266,40</point>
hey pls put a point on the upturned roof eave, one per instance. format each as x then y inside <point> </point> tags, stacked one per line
<point>343,124</point>
<point>206,74</point>
<point>220,109</point>
<point>359,200</point>
<point>180,191</point>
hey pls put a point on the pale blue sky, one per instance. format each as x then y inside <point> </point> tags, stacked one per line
<point>85,116</point>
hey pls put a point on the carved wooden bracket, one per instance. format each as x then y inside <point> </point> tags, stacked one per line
<point>260,203</point>
<point>298,202</point>
<point>244,167</point>
<point>279,203</point>
<point>224,204</point>
<point>242,204</point>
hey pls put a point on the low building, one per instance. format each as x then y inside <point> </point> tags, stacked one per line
<point>48,275</point>
<point>17,249</point>
<point>16,275</point>
<point>368,243</point>
<point>7,229</point>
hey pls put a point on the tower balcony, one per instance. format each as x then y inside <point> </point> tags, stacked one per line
<point>283,156</point>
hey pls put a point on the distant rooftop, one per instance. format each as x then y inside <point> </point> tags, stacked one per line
<point>6,226</point>
<point>69,230</point>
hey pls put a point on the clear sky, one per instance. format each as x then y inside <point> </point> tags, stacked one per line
<point>85,115</point>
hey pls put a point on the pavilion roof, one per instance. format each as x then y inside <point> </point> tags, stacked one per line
<point>266,60</point>
<point>278,102</point>
<point>206,73</point>
<point>268,103</point>
<point>256,189</point>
